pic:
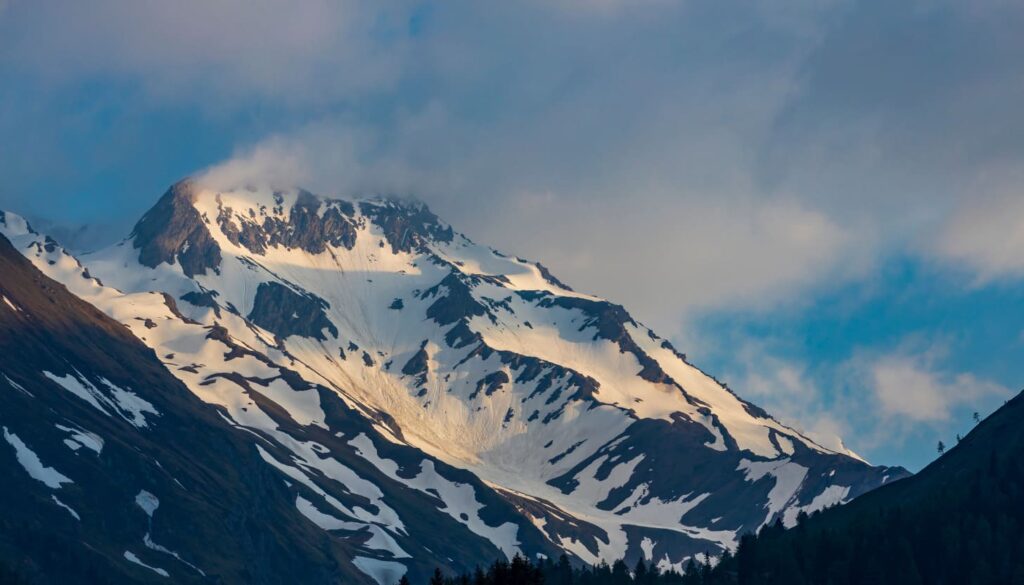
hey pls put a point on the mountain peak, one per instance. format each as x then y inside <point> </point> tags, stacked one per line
<point>173,230</point>
<point>181,227</point>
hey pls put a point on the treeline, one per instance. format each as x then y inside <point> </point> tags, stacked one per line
<point>522,571</point>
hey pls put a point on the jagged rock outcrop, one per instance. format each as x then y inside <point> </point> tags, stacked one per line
<point>174,231</point>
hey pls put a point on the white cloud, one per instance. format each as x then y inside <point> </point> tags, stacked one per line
<point>909,388</point>
<point>663,256</point>
<point>871,403</point>
<point>689,156</point>
<point>985,233</point>
<point>677,255</point>
<point>275,162</point>
<point>297,53</point>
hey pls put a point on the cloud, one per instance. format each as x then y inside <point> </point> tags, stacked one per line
<point>677,157</point>
<point>274,162</point>
<point>299,54</point>
<point>876,402</point>
<point>909,388</point>
<point>338,156</point>
<point>664,253</point>
<point>676,255</point>
<point>986,232</point>
<point>623,166</point>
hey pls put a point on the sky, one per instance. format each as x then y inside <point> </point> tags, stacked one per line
<point>820,201</point>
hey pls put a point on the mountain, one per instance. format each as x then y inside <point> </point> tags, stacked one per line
<point>450,401</point>
<point>960,520</point>
<point>115,471</point>
<point>112,465</point>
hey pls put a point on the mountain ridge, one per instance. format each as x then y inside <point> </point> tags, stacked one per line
<point>597,431</point>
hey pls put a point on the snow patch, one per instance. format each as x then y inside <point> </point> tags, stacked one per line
<point>70,510</point>
<point>647,545</point>
<point>16,386</point>
<point>148,502</point>
<point>125,403</point>
<point>459,499</point>
<point>130,556</point>
<point>49,476</point>
<point>788,477</point>
<point>131,405</point>
<point>14,224</point>
<point>80,438</point>
<point>8,302</point>
<point>324,521</point>
<point>830,496</point>
<point>383,572</point>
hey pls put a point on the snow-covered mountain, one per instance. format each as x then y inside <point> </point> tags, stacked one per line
<point>115,472</point>
<point>395,372</point>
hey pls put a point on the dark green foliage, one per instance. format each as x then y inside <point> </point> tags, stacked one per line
<point>521,571</point>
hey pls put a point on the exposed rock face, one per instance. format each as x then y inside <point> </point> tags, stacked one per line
<point>454,301</point>
<point>406,226</point>
<point>310,225</point>
<point>174,231</point>
<point>551,277</point>
<point>417,365</point>
<point>284,312</point>
<point>490,384</point>
<point>202,299</point>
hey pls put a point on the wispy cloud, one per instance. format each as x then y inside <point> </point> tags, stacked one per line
<point>912,388</point>
<point>305,54</point>
<point>986,232</point>
<point>873,401</point>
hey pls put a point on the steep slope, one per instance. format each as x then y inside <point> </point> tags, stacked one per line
<point>595,429</point>
<point>959,520</point>
<point>115,471</point>
<point>112,465</point>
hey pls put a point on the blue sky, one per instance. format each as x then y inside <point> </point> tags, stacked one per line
<point>820,201</point>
